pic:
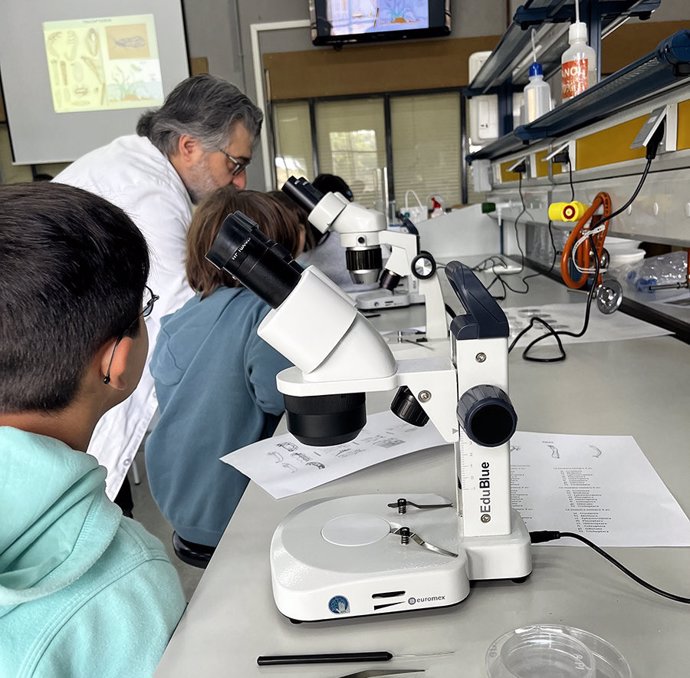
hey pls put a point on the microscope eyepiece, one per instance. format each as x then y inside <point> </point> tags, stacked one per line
<point>259,263</point>
<point>302,192</point>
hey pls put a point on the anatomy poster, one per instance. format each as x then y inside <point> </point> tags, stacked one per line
<point>107,63</point>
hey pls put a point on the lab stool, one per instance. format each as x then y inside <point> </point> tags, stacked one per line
<point>196,555</point>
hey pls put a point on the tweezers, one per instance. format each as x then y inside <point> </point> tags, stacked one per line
<point>424,544</point>
<point>370,673</point>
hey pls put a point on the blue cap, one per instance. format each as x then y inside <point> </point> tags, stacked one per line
<point>535,69</point>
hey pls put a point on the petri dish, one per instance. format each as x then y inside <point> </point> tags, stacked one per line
<point>554,651</point>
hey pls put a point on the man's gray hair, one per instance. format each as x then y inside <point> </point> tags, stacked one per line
<point>205,107</point>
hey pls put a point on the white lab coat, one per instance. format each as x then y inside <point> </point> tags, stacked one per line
<point>134,175</point>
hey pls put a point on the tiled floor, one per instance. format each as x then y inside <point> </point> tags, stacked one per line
<point>147,513</point>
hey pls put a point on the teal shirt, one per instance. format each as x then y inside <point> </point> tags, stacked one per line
<point>84,592</point>
<point>216,386</point>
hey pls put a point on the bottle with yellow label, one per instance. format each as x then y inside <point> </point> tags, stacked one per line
<point>578,63</point>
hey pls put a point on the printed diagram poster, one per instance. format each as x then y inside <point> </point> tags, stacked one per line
<point>108,63</point>
<point>602,487</point>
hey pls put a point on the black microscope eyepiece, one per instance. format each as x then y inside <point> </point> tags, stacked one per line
<point>302,192</point>
<point>259,263</point>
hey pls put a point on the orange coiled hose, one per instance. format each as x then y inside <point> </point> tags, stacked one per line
<point>589,221</point>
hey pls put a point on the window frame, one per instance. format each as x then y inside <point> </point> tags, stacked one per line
<point>390,161</point>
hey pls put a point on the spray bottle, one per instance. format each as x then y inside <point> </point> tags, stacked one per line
<point>537,93</point>
<point>579,61</point>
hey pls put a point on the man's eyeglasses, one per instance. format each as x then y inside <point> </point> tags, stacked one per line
<point>147,306</point>
<point>239,166</point>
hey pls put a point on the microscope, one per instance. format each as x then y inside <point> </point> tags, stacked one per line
<point>362,231</point>
<point>372,554</point>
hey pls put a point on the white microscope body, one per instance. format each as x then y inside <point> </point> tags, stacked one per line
<point>372,554</point>
<point>353,556</point>
<point>362,231</point>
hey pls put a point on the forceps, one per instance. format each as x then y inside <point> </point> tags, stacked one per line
<point>371,673</point>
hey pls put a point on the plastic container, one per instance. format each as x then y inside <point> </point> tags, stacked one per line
<point>537,94</point>
<point>578,63</point>
<point>554,651</point>
<point>620,245</point>
<point>619,260</point>
<point>665,269</point>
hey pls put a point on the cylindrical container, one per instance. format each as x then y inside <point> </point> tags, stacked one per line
<point>537,94</point>
<point>554,651</point>
<point>578,63</point>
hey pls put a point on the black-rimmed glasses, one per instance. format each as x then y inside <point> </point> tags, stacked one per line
<point>239,165</point>
<point>147,306</point>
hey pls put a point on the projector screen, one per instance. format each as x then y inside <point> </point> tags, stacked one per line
<point>78,73</point>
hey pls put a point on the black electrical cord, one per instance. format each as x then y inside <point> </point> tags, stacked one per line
<point>557,334</point>
<point>541,536</point>
<point>622,209</point>
<point>504,285</point>
<point>650,155</point>
<point>493,260</point>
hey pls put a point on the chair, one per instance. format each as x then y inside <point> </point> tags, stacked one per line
<point>196,555</point>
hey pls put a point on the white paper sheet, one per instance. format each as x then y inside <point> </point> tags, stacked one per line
<point>602,487</point>
<point>570,317</point>
<point>283,466</point>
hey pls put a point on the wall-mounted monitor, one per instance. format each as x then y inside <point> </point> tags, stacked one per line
<point>78,73</point>
<point>338,22</point>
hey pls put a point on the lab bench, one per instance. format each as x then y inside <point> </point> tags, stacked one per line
<point>634,387</point>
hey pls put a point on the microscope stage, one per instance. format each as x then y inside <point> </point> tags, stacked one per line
<point>345,557</point>
<point>340,558</point>
<point>380,299</point>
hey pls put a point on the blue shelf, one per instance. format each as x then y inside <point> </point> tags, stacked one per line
<point>666,67</point>
<point>509,62</point>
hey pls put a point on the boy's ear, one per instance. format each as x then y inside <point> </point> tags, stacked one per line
<point>113,359</point>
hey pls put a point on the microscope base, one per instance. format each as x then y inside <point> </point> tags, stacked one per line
<point>377,300</point>
<point>341,558</point>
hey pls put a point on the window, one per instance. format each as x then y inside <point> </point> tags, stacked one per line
<point>351,142</point>
<point>425,134</point>
<point>294,154</point>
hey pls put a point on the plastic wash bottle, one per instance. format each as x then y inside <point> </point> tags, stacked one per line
<point>578,63</point>
<point>537,94</point>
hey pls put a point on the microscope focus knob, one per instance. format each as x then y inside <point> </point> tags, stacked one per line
<point>407,407</point>
<point>423,266</point>
<point>486,415</point>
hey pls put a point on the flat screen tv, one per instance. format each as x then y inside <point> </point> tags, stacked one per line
<point>337,22</point>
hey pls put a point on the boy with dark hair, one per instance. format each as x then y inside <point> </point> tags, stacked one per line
<point>83,591</point>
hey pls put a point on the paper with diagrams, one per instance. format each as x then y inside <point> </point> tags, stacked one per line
<point>570,317</point>
<point>602,487</point>
<point>283,466</point>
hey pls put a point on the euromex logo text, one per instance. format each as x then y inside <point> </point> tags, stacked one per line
<point>485,497</point>
<point>428,599</point>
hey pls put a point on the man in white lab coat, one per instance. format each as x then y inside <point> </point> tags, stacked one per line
<point>199,140</point>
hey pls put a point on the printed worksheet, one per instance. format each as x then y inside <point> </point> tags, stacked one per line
<point>602,487</point>
<point>570,317</point>
<point>283,466</point>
